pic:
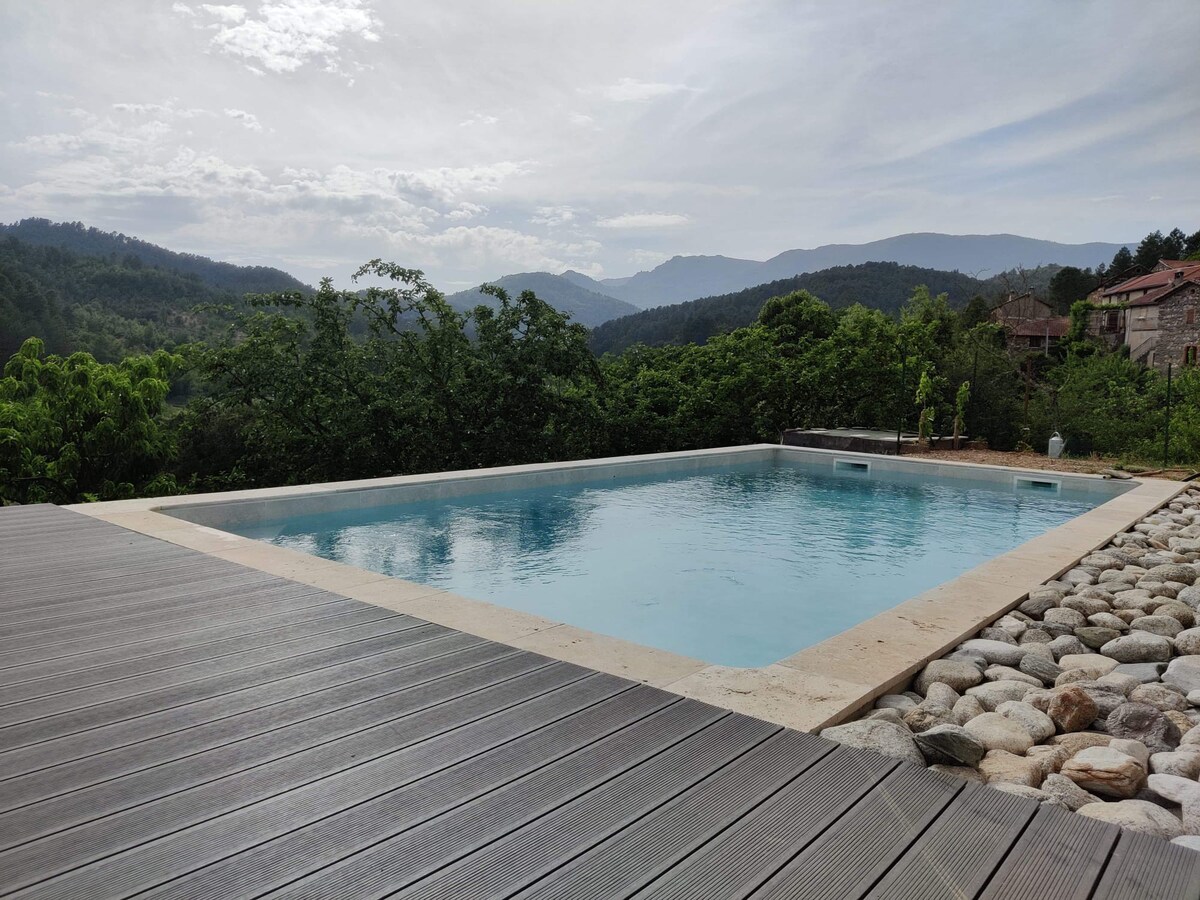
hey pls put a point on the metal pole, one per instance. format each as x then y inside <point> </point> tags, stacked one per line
<point>1167,428</point>
<point>903,379</point>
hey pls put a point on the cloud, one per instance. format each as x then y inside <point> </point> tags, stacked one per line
<point>643,220</point>
<point>232,14</point>
<point>249,120</point>
<point>629,90</point>
<point>286,35</point>
<point>552,216</point>
<point>478,119</point>
<point>182,9</point>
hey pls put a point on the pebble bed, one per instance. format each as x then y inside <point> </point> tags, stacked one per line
<point>1086,696</point>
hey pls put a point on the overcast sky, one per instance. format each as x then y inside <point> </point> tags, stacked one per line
<point>475,138</point>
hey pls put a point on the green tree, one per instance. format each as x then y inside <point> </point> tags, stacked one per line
<point>74,429</point>
<point>1068,285</point>
<point>1122,262</point>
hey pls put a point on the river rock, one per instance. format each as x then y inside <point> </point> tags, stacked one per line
<point>1096,637</point>
<point>1008,673</point>
<point>1044,670</point>
<point>1136,749</point>
<point>1183,673</point>
<point>992,633</point>
<point>1143,672</point>
<point>958,674</point>
<point>1094,663</point>
<point>996,732</point>
<point>1160,696</point>
<point>1187,643</point>
<point>886,715</point>
<point>1108,620</point>
<point>1071,708</point>
<point>1189,596</point>
<point>950,745</point>
<point>1060,615</point>
<point>926,716</point>
<point>1164,626</point>
<point>882,737</point>
<point>1191,841</point>
<point>1105,771</point>
<point>992,693</point>
<point>1086,606</point>
<point>1065,645</point>
<point>964,772</point>
<point>1135,815</point>
<point>1036,636</point>
<point>1049,759</point>
<point>1180,612</point>
<point>1039,725</point>
<point>1173,572</point>
<point>997,653</point>
<point>1030,793</point>
<point>1183,720</point>
<point>1142,722</point>
<point>1002,767</point>
<point>967,708</point>
<point>898,702</point>
<point>1079,740</point>
<point>1115,681</point>
<point>1138,646</point>
<point>941,694</point>
<point>1183,791</point>
<point>1184,762</point>
<point>1079,576</point>
<point>1068,792</point>
<point>1039,601</point>
<point>1011,625</point>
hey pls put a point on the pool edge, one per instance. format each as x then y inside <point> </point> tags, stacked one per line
<point>815,687</point>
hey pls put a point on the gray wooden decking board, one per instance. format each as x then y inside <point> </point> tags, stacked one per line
<point>623,864</point>
<point>138,705</point>
<point>1143,867</point>
<point>20,689</point>
<point>77,748</point>
<point>415,785</point>
<point>181,726</point>
<point>117,842</point>
<point>105,766</point>
<point>96,694</point>
<point>751,849</point>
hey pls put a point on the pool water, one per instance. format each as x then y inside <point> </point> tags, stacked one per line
<point>740,566</point>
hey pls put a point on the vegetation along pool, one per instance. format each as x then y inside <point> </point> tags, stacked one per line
<point>740,566</point>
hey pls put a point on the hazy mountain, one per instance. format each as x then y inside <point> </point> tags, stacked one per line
<point>982,255</point>
<point>882,285</point>
<point>77,238</point>
<point>585,306</point>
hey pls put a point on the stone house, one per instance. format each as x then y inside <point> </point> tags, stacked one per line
<point>1155,314</point>
<point>1029,323</point>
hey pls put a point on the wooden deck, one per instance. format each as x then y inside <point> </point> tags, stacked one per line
<point>174,725</point>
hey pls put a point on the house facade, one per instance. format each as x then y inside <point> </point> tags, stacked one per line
<point>1029,323</point>
<point>1156,314</point>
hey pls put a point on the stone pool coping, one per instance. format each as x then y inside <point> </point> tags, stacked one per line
<point>815,687</point>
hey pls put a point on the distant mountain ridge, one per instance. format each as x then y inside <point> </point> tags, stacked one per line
<point>85,241</point>
<point>585,306</point>
<point>685,278</point>
<point>881,285</point>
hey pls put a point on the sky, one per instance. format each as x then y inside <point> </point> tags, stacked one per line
<point>476,138</point>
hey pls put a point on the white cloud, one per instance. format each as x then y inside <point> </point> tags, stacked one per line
<point>629,90</point>
<point>286,35</point>
<point>582,120</point>
<point>228,13</point>
<point>552,216</point>
<point>182,9</point>
<point>478,119</point>
<point>249,120</point>
<point>643,220</point>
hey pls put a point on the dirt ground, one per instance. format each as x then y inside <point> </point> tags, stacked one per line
<point>1088,465</point>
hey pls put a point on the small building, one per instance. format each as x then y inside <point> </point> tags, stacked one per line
<point>1155,313</point>
<point>1029,323</point>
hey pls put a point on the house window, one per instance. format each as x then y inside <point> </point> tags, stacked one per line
<point>1110,320</point>
<point>1189,356</point>
<point>1189,317</point>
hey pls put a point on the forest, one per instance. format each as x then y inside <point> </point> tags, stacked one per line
<point>300,386</point>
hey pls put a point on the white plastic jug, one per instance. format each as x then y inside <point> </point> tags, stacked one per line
<point>1054,451</point>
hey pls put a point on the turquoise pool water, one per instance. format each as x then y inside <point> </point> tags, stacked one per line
<point>742,566</point>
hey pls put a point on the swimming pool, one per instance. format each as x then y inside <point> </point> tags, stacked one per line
<point>740,565</point>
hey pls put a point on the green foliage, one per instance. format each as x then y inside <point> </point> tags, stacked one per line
<point>74,429</point>
<point>296,397</point>
<point>1069,286</point>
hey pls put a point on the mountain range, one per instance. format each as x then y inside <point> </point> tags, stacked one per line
<point>981,255</point>
<point>585,306</point>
